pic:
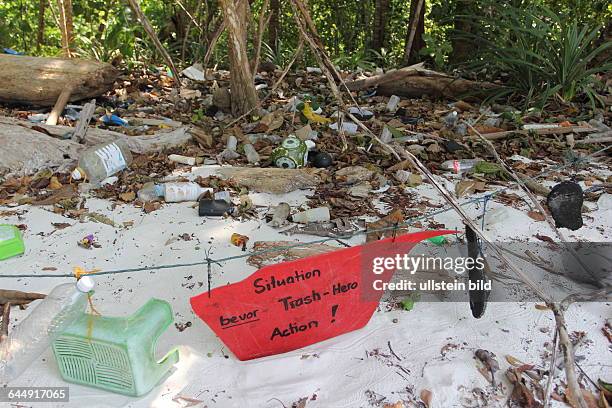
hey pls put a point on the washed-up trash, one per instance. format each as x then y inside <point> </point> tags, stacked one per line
<point>38,117</point>
<point>194,72</point>
<point>348,127</point>
<point>116,354</point>
<point>439,240</point>
<point>393,103</point>
<point>319,214</point>
<point>101,161</point>
<point>239,240</point>
<point>11,51</point>
<point>230,149</point>
<point>113,120</point>
<point>250,153</point>
<point>292,153</point>
<point>450,120</point>
<point>459,166</point>
<point>172,192</point>
<point>223,195</point>
<point>11,242</point>
<point>89,241</point>
<point>322,160</point>
<point>214,208</point>
<point>604,202</point>
<point>361,114</point>
<point>177,158</point>
<point>314,70</point>
<point>33,336</point>
<point>565,205</point>
<point>280,215</point>
<point>538,126</point>
<point>361,190</point>
<point>312,115</point>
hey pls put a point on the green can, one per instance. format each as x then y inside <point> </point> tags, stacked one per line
<point>11,243</point>
<point>291,154</point>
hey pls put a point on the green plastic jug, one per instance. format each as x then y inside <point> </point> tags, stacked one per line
<point>116,353</point>
<point>11,243</point>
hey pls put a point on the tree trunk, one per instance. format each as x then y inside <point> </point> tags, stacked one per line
<point>381,10</point>
<point>66,27</point>
<point>40,81</point>
<point>273,27</point>
<point>40,37</point>
<point>244,95</point>
<point>414,33</point>
<point>461,48</point>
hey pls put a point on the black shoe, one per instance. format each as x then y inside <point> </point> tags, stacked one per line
<point>565,204</point>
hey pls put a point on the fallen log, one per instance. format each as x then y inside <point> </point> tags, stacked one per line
<point>28,147</point>
<point>415,81</point>
<point>40,81</point>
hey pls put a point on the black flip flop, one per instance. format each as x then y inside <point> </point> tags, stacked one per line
<point>565,204</point>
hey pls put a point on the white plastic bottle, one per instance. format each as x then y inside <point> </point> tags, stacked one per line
<point>102,161</point>
<point>251,154</point>
<point>27,341</point>
<point>172,192</point>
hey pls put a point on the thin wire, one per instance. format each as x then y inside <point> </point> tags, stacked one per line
<point>394,227</point>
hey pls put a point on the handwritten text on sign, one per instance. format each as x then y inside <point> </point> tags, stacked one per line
<point>290,305</point>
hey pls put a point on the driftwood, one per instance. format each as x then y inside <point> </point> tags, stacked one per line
<point>6,315</point>
<point>272,180</point>
<point>58,108</point>
<point>415,81</point>
<point>40,81</point>
<point>17,297</point>
<point>82,125</point>
<point>26,149</point>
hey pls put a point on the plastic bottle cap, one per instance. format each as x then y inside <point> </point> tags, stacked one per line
<point>77,174</point>
<point>85,284</point>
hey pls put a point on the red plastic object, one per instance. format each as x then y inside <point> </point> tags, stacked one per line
<point>290,305</point>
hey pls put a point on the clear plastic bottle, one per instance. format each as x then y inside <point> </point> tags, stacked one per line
<point>251,154</point>
<point>172,192</point>
<point>27,341</point>
<point>460,166</point>
<point>102,161</point>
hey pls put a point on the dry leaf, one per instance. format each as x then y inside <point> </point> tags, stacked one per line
<point>151,206</point>
<point>465,187</point>
<point>426,396</point>
<point>541,307</point>
<point>54,184</point>
<point>398,404</point>
<point>128,196</point>
<point>514,361</point>
<point>536,215</point>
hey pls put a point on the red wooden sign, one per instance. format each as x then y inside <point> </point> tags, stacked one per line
<point>290,305</point>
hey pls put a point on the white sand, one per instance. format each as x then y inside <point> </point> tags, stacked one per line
<point>341,372</point>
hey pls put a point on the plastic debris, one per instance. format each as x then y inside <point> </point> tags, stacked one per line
<point>177,158</point>
<point>102,161</point>
<point>88,242</point>
<point>292,153</point>
<point>459,166</point>
<point>230,149</point>
<point>361,114</point>
<point>113,120</point>
<point>194,72</point>
<point>348,127</point>
<point>319,214</point>
<point>239,240</point>
<point>11,242</point>
<point>280,215</point>
<point>393,103</point>
<point>251,154</point>
<point>214,208</point>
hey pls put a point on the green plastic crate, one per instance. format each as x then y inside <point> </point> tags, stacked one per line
<point>114,353</point>
<point>11,243</point>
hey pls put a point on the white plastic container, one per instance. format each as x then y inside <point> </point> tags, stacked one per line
<point>27,341</point>
<point>393,103</point>
<point>102,161</point>
<point>319,214</point>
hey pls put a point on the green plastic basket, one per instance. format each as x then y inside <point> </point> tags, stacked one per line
<point>116,354</point>
<point>11,243</point>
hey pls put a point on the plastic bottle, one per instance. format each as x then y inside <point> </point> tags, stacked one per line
<point>251,154</point>
<point>27,341</point>
<point>172,192</point>
<point>460,166</point>
<point>102,161</point>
